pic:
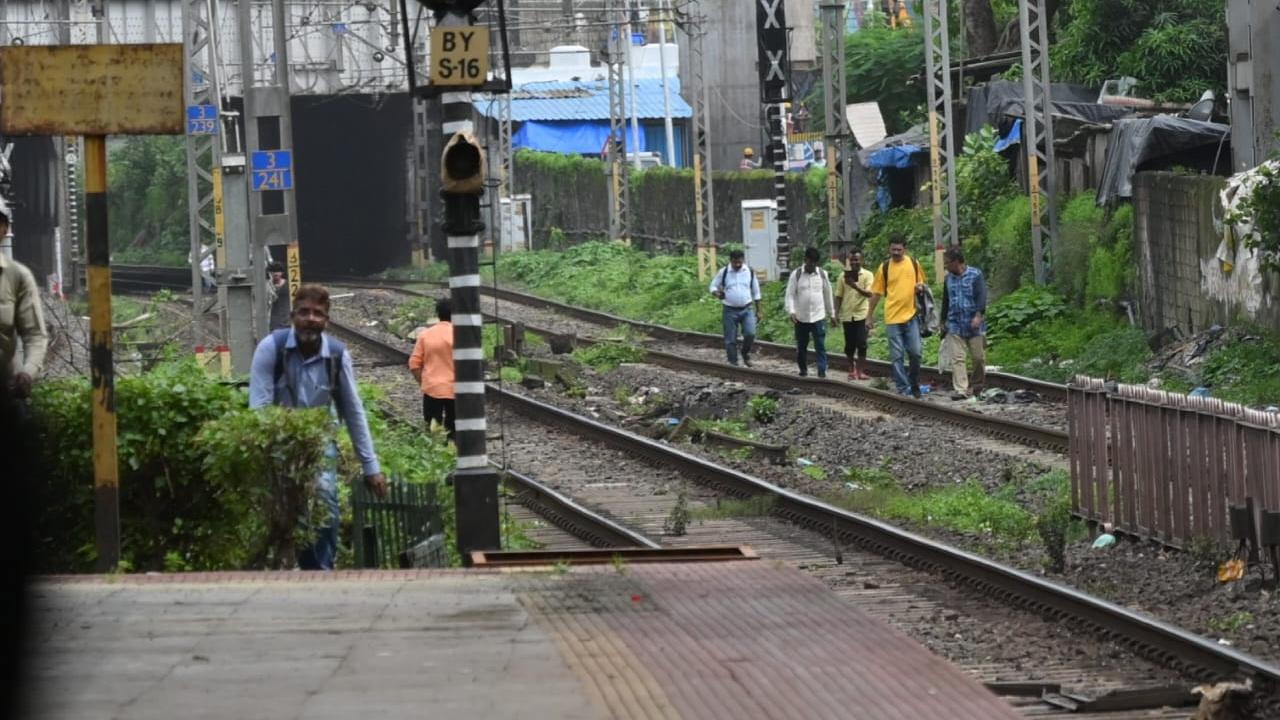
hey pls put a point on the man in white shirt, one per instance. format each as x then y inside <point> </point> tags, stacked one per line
<point>738,289</point>
<point>809,303</point>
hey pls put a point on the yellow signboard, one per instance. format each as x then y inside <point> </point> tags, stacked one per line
<point>92,90</point>
<point>219,222</point>
<point>294,266</point>
<point>459,55</point>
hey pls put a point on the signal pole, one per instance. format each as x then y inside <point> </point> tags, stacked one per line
<point>459,63</point>
<point>774,66</point>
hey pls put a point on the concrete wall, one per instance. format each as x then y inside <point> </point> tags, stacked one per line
<point>577,203</point>
<point>1177,232</point>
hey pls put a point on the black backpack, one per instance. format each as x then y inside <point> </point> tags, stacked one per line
<point>332,365</point>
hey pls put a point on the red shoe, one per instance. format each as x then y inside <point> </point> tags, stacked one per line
<point>863,376</point>
<point>853,375</point>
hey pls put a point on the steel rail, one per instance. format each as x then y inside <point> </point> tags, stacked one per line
<point>1008,381</point>
<point>568,515</point>
<point>557,508</point>
<point>1002,428</point>
<point>1165,643</point>
<point>1160,641</point>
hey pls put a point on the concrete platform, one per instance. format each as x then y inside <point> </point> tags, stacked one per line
<point>736,640</point>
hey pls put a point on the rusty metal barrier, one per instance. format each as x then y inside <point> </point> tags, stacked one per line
<point>1168,466</point>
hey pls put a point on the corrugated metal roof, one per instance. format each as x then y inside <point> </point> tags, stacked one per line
<point>584,100</point>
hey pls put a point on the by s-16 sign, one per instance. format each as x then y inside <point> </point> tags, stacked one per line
<point>459,55</point>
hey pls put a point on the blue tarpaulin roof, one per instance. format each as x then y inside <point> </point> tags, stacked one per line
<point>585,100</point>
<point>582,138</point>
<point>898,156</point>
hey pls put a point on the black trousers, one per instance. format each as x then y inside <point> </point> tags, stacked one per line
<point>855,339</point>
<point>441,410</point>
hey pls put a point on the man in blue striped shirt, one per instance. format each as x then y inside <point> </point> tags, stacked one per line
<point>738,289</point>
<point>302,367</point>
<point>964,305</point>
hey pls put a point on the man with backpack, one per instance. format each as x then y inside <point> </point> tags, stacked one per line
<point>302,367</point>
<point>897,281</point>
<point>738,289</point>
<point>809,302</point>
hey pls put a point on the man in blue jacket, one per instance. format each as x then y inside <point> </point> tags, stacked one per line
<point>302,367</point>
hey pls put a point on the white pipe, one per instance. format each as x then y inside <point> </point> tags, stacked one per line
<point>666,89</point>
<point>631,86</point>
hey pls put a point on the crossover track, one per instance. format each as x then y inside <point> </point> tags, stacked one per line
<point>1047,390</point>
<point>1002,428</point>
<point>1166,644</point>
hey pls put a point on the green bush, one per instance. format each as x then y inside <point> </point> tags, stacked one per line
<point>1005,254</point>
<point>170,516</point>
<point>982,180</point>
<point>1118,354</point>
<point>1080,228</point>
<point>266,461</point>
<point>1016,312</point>
<point>1246,371</point>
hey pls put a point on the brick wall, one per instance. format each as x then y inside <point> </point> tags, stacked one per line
<point>1177,230</point>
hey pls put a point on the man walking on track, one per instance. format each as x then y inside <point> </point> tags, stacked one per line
<point>302,367</point>
<point>432,365</point>
<point>809,303</point>
<point>852,295</point>
<point>898,280</point>
<point>964,305</point>
<point>738,289</point>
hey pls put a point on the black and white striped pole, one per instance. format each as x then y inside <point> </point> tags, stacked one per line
<point>475,486</point>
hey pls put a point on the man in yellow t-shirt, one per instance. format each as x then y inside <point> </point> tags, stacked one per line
<point>897,280</point>
<point>852,297</point>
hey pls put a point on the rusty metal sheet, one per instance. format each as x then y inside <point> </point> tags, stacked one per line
<point>91,90</point>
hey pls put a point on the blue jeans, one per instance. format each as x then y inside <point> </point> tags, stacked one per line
<point>819,332</point>
<point>905,337</point>
<point>733,317</point>
<point>321,554</point>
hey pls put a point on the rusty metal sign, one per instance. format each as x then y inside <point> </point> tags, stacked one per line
<point>92,90</point>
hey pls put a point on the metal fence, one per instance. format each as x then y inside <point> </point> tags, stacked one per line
<point>399,531</point>
<point>1170,467</point>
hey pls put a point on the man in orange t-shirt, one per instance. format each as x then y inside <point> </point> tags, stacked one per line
<point>432,365</point>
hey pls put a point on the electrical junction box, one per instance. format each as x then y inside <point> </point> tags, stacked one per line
<point>517,222</point>
<point>760,236</point>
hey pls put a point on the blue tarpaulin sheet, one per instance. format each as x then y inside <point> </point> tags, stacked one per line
<point>1013,137</point>
<point>897,156</point>
<point>576,137</point>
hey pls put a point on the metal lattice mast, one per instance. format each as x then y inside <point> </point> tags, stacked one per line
<point>203,151</point>
<point>941,153</point>
<point>837,135</point>
<point>1038,132</point>
<point>704,217</point>
<point>619,175</point>
<point>508,164</point>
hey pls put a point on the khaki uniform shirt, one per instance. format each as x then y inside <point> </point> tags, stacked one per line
<point>21,316</point>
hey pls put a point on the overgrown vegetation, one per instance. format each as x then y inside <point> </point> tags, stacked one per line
<point>1175,48</point>
<point>763,408</point>
<point>205,483</point>
<point>607,355</point>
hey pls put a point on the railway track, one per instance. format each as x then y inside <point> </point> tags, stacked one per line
<point>1007,429</point>
<point>1008,381</point>
<point>808,533</point>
